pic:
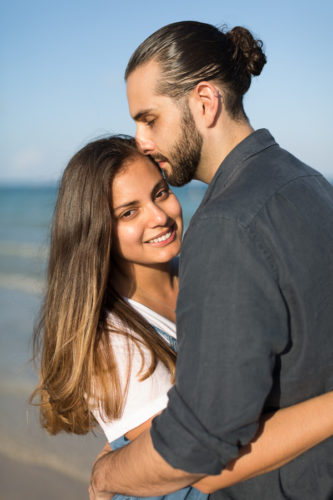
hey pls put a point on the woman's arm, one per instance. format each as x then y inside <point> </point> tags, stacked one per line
<point>134,433</point>
<point>281,437</point>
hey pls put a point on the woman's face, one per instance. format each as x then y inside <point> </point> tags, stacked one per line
<point>147,216</point>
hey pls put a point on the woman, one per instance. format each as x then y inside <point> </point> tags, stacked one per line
<point>107,329</point>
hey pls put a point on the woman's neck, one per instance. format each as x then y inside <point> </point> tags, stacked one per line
<point>155,287</point>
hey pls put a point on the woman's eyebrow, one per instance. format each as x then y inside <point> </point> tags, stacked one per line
<point>161,183</point>
<point>158,185</point>
<point>128,204</point>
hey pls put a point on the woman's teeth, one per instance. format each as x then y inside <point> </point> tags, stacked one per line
<point>161,238</point>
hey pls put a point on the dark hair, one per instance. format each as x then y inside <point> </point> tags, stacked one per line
<point>189,52</point>
<point>77,365</point>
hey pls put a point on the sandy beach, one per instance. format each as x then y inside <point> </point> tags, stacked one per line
<point>21,480</point>
<point>35,465</point>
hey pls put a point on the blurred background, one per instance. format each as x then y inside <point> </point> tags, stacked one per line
<point>62,66</point>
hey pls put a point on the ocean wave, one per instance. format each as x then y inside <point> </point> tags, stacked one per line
<point>25,250</point>
<point>22,283</point>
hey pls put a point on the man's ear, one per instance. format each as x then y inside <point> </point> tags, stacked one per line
<point>206,100</point>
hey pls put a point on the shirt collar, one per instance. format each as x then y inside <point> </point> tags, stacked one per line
<point>253,144</point>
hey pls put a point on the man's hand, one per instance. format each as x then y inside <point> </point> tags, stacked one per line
<point>136,470</point>
<point>93,493</point>
<point>98,496</point>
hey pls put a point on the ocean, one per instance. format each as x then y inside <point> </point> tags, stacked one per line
<point>25,221</point>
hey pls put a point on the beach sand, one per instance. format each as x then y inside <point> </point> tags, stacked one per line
<point>35,465</point>
<point>25,481</point>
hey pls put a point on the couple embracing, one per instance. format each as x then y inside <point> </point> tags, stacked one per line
<point>237,405</point>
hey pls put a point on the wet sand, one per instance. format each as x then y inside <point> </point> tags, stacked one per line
<point>35,465</point>
<point>21,480</point>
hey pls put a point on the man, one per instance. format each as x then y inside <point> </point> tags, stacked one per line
<point>254,314</point>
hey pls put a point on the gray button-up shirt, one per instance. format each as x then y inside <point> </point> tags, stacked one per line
<point>254,318</point>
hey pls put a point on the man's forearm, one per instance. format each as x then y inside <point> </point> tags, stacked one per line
<point>138,470</point>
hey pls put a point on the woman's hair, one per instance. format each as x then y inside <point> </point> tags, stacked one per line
<point>72,337</point>
<point>189,52</point>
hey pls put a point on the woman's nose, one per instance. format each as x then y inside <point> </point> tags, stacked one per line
<point>157,216</point>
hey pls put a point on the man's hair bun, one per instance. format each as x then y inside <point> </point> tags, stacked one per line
<point>247,50</point>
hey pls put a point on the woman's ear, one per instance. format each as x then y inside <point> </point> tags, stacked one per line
<point>206,103</point>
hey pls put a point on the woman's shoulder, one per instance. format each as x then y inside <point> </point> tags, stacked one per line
<point>121,336</point>
<point>125,340</point>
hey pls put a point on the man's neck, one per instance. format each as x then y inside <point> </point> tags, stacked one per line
<point>220,142</point>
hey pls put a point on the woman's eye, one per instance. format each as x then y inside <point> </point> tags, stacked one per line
<point>164,193</point>
<point>128,214</point>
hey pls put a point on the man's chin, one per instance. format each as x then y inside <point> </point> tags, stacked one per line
<point>174,180</point>
<point>174,175</point>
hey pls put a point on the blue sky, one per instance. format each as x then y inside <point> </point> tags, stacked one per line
<point>62,66</point>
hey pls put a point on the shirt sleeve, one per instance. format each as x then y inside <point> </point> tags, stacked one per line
<point>143,398</point>
<point>232,322</point>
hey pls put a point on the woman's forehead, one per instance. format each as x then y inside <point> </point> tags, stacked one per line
<point>137,176</point>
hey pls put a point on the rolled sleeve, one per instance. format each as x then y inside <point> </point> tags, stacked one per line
<point>232,323</point>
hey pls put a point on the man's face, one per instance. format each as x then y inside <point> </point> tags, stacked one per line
<point>166,129</point>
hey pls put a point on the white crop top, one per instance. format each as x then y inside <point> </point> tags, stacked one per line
<point>143,399</point>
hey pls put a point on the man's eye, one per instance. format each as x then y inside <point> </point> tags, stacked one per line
<point>150,123</point>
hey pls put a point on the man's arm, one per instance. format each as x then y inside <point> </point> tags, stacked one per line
<point>282,436</point>
<point>232,325</point>
<point>149,473</point>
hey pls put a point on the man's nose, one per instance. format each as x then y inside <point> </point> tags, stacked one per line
<point>145,145</point>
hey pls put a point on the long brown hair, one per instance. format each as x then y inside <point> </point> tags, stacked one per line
<point>72,338</point>
<point>190,51</point>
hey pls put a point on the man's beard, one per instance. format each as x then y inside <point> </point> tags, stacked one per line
<point>185,156</point>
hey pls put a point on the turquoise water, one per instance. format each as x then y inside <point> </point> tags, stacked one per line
<point>25,215</point>
<point>25,220</point>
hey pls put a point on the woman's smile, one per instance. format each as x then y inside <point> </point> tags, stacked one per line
<point>147,225</point>
<point>164,238</point>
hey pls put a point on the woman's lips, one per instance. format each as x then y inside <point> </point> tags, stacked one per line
<point>163,238</point>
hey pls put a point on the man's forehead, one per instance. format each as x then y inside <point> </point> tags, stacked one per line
<point>148,70</point>
<point>141,84</point>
